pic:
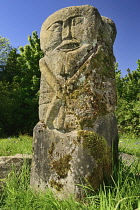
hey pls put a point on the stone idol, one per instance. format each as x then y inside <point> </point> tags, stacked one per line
<point>76,139</point>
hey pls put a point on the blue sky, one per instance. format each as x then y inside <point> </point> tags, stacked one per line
<point>19,18</point>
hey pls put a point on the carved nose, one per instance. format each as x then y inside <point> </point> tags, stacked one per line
<point>66,31</point>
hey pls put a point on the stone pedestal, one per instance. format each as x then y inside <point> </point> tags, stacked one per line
<point>64,161</point>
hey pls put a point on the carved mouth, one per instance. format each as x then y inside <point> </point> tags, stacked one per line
<point>68,45</point>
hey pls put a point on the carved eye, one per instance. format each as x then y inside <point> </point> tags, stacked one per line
<point>77,20</point>
<point>55,27</point>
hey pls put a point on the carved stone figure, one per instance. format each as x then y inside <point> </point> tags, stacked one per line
<point>76,139</point>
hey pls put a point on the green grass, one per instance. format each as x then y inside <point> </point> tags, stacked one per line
<point>129,144</point>
<point>16,145</point>
<point>122,194</point>
<point>23,145</point>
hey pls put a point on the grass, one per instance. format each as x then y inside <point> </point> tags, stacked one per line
<point>13,145</point>
<point>129,144</point>
<point>122,194</point>
<point>23,145</point>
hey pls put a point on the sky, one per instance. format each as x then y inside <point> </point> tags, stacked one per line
<point>19,18</point>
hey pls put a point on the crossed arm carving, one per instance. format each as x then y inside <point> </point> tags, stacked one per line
<point>59,91</point>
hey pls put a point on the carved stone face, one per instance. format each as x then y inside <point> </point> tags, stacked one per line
<point>67,38</point>
<point>65,35</point>
<point>70,28</point>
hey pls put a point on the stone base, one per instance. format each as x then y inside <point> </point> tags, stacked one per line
<point>64,161</point>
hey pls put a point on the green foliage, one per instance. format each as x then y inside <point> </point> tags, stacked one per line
<point>29,81</point>
<point>29,62</point>
<point>4,50</point>
<point>12,67</point>
<point>16,145</point>
<point>128,106</point>
<point>19,88</point>
<point>7,107</point>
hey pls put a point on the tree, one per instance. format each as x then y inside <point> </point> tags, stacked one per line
<point>128,108</point>
<point>12,67</point>
<point>4,52</point>
<point>29,82</point>
<point>29,62</point>
<point>19,88</point>
<point>4,49</point>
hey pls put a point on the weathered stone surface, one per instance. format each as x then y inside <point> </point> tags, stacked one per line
<point>8,162</point>
<point>76,138</point>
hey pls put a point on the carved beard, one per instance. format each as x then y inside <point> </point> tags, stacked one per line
<point>65,64</point>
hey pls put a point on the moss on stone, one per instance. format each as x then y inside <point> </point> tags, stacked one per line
<point>52,147</point>
<point>95,144</point>
<point>97,147</point>
<point>58,186</point>
<point>62,166</point>
<point>87,122</point>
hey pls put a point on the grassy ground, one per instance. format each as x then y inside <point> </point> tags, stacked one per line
<point>23,145</point>
<point>14,145</point>
<point>122,194</point>
<point>129,144</point>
